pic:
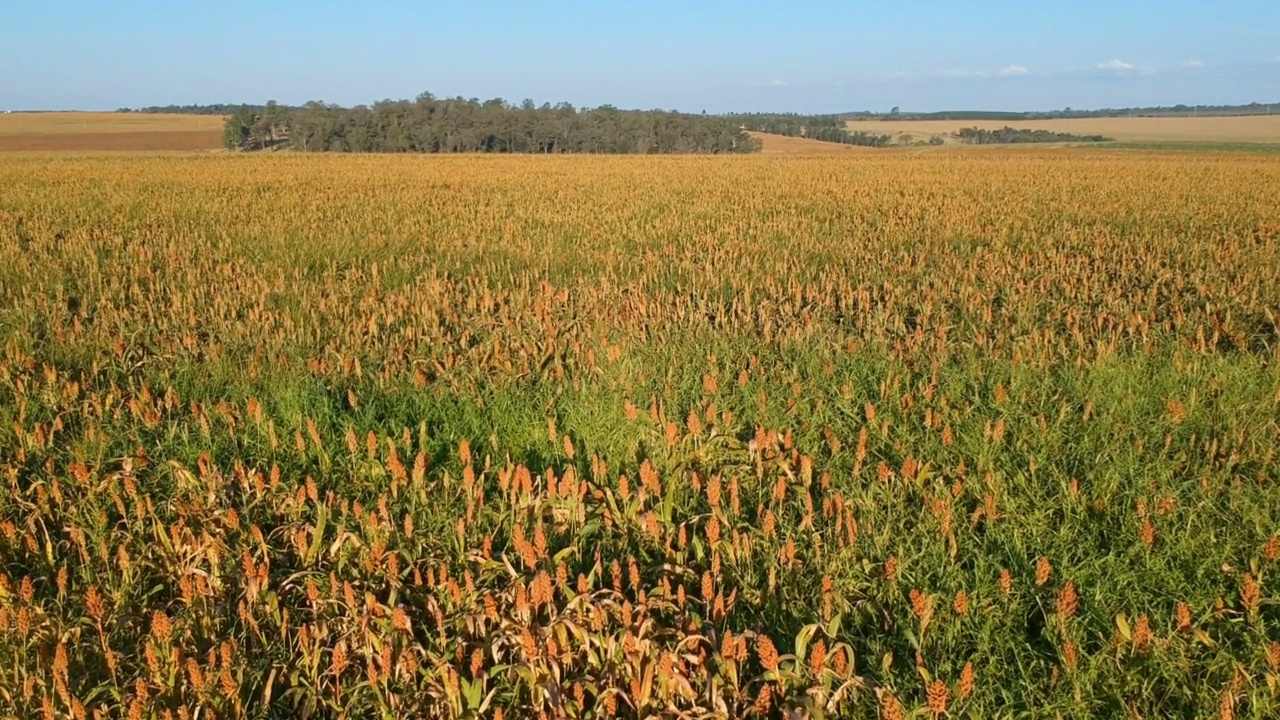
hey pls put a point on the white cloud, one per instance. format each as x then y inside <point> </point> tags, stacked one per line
<point>954,73</point>
<point>958,73</point>
<point>1116,65</point>
<point>778,83</point>
<point>1147,70</point>
<point>1193,64</point>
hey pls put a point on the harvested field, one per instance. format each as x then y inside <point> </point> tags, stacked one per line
<point>784,145</point>
<point>1250,129</point>
<point>111,142</point>
<point>95,132</point>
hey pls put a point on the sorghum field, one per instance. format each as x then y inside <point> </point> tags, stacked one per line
<point>936,435</point>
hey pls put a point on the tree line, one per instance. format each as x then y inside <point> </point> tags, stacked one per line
<point>828,128</point>
<point>1008,135</point>
<point>429,124</point>
<point>210,109</point>
<point>1253,108</point>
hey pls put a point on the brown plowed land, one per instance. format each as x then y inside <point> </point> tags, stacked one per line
<point>784,145</point>
<point>108,132</point>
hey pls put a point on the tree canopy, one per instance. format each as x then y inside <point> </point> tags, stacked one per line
<point>429,124</point>
<point>1009,135</point>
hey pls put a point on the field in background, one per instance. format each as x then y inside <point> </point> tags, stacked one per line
<point>1250,129</point>
<point>124,132</point>
<point>962,434</point>
<point>91,132</point>
<point>784,145</point>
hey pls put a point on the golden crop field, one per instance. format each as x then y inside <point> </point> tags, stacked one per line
<point>899,435</point>
<point>100,131</point>
<point>1243,129</point>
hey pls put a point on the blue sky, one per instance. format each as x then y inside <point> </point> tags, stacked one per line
<point>717,55</point>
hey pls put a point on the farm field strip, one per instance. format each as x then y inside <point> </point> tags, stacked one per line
<point>1253,128</point>
<point>108,132</point>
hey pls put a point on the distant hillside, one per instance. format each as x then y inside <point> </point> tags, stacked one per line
<point>1067,113</point>
<point>833,119</point>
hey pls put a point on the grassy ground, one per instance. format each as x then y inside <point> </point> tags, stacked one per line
<point>90,132</point>
<point>991,434</point>
<point>1251,129</point>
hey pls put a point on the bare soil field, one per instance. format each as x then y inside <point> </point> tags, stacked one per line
<point>1256,128</point>
<point>89,132</point>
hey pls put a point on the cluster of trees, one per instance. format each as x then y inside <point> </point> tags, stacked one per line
<point>828,128</point>
<point>441,125</point>
<point>1007,135</point>
<point>249,128</point>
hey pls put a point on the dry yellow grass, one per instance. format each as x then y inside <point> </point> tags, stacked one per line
<point>783,145</point>
<point>1257,128</point>
<point>89,132</point>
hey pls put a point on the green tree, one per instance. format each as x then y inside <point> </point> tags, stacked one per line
<point>270,125</point>
<point>238,129</point>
